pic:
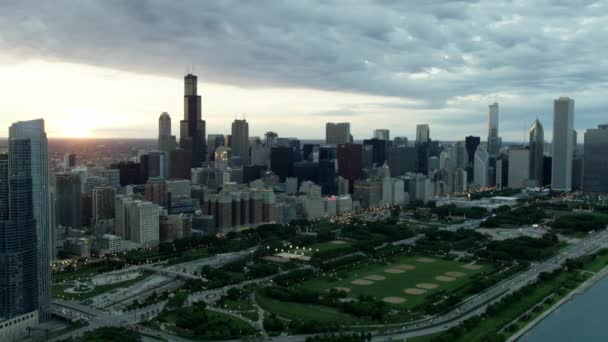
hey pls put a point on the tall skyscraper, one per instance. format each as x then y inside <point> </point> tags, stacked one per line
<point>192,128</point>
<point>494,141</point>
<point>240,140</point>
<point>166,141</point>
<point>68,199</point>
<point>595,159</point>
<point>34,131</point>
<point>537,142</point>
<point>350,163</point>
<point>519,167</point>
<point>18,241</point>
<point>3,186</point>
<point>382,134</point>
<point>481,166</point>
<point>423,133</point>
<point>563,144</point>
<point>337,133</point>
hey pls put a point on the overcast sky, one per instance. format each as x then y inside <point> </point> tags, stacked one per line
<point>109,68</point>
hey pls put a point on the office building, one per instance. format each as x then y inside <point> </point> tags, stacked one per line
<point>240,141</point>
<point>537,141</point>
<point>34,131</point>
<point>494,141</point>
<point>69,161</point>
<point>281,162</point>
<point>563,144</point>
<point>103,204</point>
<point>19,274</point>
<point>144,223</point>
<point>337,133</point>
<point>68,199</point>
<point>350,163</point>
<point>471,144</point>
<point>423,133</point>
<point>379,150</point>
<point>595,160</point>
<point>166,141</point>
<point>481,167</point>
<point>192,127</point>
<point>402,159</point>
<point>519,167</point>
<point>382,134</point>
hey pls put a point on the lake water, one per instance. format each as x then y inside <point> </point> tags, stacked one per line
<point>583,318</point>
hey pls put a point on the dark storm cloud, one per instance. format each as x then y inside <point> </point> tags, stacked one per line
<point>429,51</point>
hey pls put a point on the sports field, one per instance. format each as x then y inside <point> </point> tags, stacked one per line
<point>405,281</point>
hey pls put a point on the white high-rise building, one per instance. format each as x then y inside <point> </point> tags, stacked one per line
<point>480,167</point>
<point>423,133</point>
<point>563,144</point>
<point>519,167</point>
<point>144,223</point>
<point>34,131</point>
<point>382,134</point>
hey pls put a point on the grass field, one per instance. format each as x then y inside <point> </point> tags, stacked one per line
<point>421,276</point>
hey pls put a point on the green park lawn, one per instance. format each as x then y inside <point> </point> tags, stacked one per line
<point>394,284</point>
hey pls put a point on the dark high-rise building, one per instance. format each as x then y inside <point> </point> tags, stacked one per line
<point>547,165</point>
<point>180,164</point>
<point>306,171</point>
<point>471,144</point>
<point>402,159</point>
<point>33,130</point>
<point>192,127</point>
<point>130,173</point>
<point>537,145</point>
<point>350,163</point>
<point>240,140</point>
<point>3,186</point>
<point>379,150</point>
<point>327,177</point>
<point>68,199</point>
<point>307,150</point>
<point>595,157</point>
<point>423,154</point>
<point>252,172</point>
<point>328,152</point>
<point>281,161</point>
<point>19,281</point>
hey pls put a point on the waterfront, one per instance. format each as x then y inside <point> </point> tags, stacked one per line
<point>580,319</point>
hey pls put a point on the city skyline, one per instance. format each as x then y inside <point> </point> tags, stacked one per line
<point>408,71</point>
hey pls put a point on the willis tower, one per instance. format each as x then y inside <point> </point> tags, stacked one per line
<point>192,128</point>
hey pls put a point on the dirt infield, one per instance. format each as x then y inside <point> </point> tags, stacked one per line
<point>425,260</point>
<point>444,278</point>
<point>406,267</point>
<point>393,270</point>
<point>427,286</point>
<point>345,289</point>
<point>455,274</point>
<point>375,277</point>
<point>415,292</point>
<point>363,282</point>
<point>471,267</point>
<point>394,300</point>
<point>338,242</point>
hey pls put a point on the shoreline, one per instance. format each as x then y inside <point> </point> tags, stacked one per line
<point>581,289</point>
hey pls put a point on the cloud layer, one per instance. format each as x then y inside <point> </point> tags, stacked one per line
<point>450,58</point>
